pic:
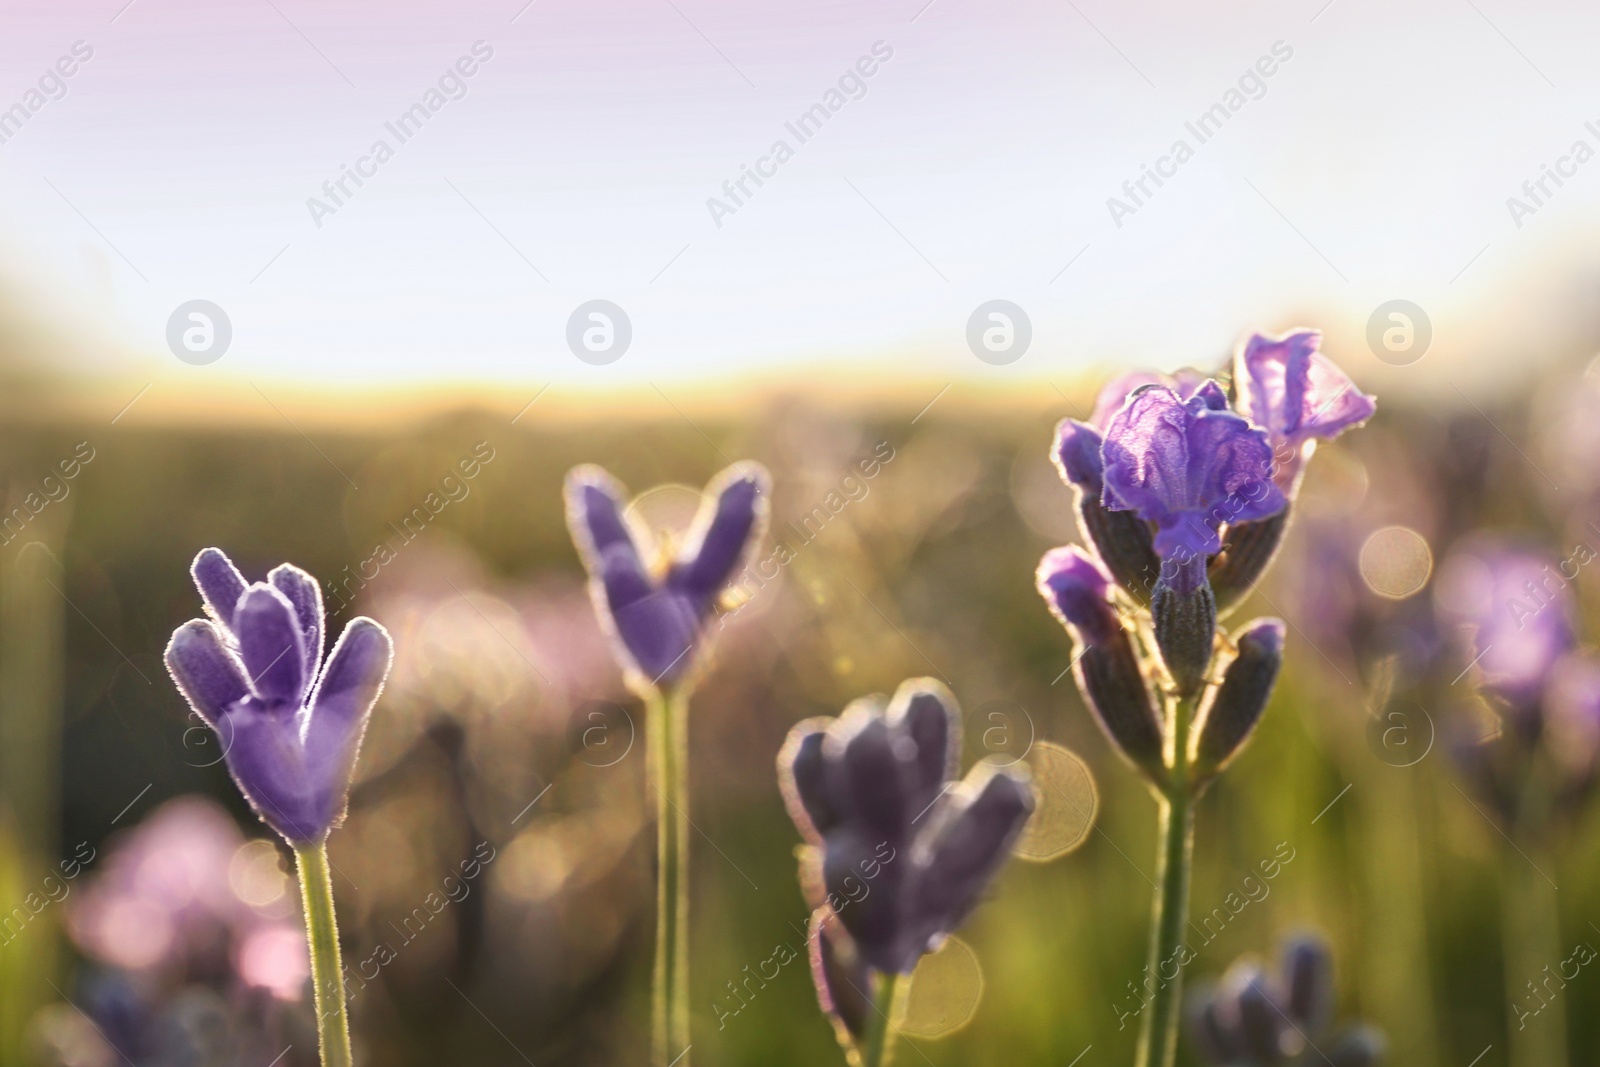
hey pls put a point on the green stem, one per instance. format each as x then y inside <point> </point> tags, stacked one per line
<point>327,971</point>
<point>877,1044</point>
<point>667,738</point>
<point>1158,1037</point>
<point>1531,933</point>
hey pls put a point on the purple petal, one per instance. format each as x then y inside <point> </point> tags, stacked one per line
<point>341,706</point>
<point>1231,467</point>
<point>728,523</point>
<point>268,763</point>
<point>220,584</point>
<point>1146,455</point>
<point>1077,455</point>
<point>925,711</point>
<point>1308,974</point>
<point>270,645</point>
<point>1210,395</point>
<point>868,774</point>
<point>1078,593</point>
<point>1114,394</point>
<point>983,823</point>
<point>206,672</point>
<point>594,514</point>
<point>1188,468</point>
<point>1261,1021</point>
<point>1294,392</point>
<point>802,778</point>
<point>844,981</point>
<point>658,632</point>
<point>305,595</point>
<point>871,909</point>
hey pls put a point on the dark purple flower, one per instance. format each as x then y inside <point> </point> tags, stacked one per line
<point>1255,1019</point>
<point>1188,467</point>
<point>655,610</point>
<point>290,727</point>
<point>901,851</point>
<point>1299,396</point>
<point>1516,610</point>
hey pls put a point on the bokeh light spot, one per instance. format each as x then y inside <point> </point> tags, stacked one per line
<point>256,874</point>
<point>1396,562</point>
<point>1065,802</point>
<point>945,990</point>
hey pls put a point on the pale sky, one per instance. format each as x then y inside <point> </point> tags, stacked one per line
<point>973,164</point>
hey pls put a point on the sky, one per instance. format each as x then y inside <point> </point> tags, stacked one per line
<point>1358,154</point>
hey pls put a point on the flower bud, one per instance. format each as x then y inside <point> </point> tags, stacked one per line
<point>1185,627</point>
<point>1236,705</point>
<point>1107,669</point>
<point>1115,688</point>
<point>1121,538</point>
<point>1247,548</point>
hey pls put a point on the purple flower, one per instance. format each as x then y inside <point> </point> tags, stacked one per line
<point>1262,1020</point>
<point>1188,467</point>
<point>1517,610</point>
<point>656,614</point>
<point>290,727</point>
<point>901,851</point>
<point>1297,395</point>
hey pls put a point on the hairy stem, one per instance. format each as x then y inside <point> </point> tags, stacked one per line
<point>877,1044</point>
<point>667,737</point>
<point>327,971</point>
<point>1158,1038</point>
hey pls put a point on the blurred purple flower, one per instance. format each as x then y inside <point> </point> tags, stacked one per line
<point>165,901</point>
<point>1572,713</point>
<point>290,727</point>
<point>1517,612</point>
<point>1254,1019</point>
<point>1188,466</point>
<point>656,619</point>
<point>901,851</point>
<point>1297,395</point>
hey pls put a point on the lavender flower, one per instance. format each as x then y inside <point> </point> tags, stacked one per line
<point>1182,502</point>
<point>1297,395</point>
<point>290,726</point>
<point>899,852</point>
<point>1517,611</point>
<point>1515,607</point>
<point>1254,1019</point>
<point>656,609</point>
<point>1187,466</point>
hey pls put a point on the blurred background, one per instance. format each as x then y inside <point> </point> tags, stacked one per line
<point>211,334</point>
